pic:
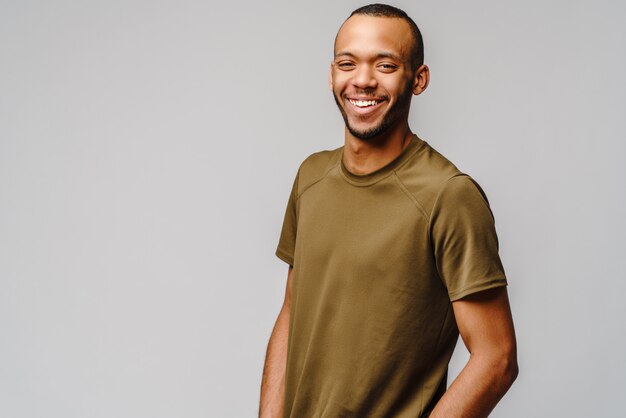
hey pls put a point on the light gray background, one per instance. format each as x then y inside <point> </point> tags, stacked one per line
<point>147,150</point>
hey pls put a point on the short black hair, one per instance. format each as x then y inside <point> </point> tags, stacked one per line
<point>385,10</point>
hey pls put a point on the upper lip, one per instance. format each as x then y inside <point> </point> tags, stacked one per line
<point>365,99</point>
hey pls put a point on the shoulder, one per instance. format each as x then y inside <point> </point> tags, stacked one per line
<point>429,173</point>
<point>315,167</point>
<point>462,188</point>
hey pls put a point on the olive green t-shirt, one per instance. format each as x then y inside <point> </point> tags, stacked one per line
<point>378,259</point>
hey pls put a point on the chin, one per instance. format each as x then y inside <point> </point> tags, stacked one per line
<point>368,133</point>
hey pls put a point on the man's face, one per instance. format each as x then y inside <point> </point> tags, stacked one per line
<point>371,77</point>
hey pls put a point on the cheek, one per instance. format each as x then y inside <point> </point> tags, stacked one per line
<point>339,82</point>
<point>397,86</point>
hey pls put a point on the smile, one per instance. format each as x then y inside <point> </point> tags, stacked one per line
<point>365,108</point>
<point>364,103</point>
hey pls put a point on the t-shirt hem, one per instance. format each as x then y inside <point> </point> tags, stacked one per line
<point>287,258</point>
<point>489,284</point>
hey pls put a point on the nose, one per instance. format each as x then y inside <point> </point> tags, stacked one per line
<point>364,77</point>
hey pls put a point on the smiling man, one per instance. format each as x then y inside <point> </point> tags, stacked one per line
<point>392,253</point>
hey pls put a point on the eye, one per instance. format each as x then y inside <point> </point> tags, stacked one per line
<point>345,65</point>
<point>385,67</point>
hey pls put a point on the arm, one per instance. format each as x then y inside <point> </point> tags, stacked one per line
<point>486,327</point>
<point>273,381</point>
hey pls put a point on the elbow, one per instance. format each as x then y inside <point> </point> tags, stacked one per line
<point>500,367</point>
<point>512,370</point>
<point>508,369</point>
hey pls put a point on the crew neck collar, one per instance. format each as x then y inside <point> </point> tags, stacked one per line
<point>376,175</point>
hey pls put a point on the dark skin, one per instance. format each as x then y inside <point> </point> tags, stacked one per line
<point>372,61</point>
<point>486,327</point>
<point>371,77</point>
<point>273,381</point>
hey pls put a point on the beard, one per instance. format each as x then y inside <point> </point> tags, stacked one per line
<point>389,119</point>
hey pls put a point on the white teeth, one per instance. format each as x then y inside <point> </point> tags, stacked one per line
<point>363,103</point>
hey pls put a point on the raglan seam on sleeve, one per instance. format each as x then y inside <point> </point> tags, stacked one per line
<point>328,169</point>
<point>443,185</point>
<point>406,191</point>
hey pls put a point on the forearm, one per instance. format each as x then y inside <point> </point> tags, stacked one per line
<point>273,381</point>
<point>477,389</point>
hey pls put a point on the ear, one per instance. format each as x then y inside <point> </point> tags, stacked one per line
<point>330,77</point>
<point>421,79</point>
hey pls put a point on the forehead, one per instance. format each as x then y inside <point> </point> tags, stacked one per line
<point>363,35</point>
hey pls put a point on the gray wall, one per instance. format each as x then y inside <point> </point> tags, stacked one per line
<point>147,150</point>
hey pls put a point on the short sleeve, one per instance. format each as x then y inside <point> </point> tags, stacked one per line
<point>465,244</point>
<point>287,242</point>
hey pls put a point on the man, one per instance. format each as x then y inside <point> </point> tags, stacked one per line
<point>392,252</point>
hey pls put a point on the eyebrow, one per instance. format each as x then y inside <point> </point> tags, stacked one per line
<point>379,55</point>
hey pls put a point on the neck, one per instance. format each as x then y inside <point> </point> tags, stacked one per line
<point>363,156</point>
